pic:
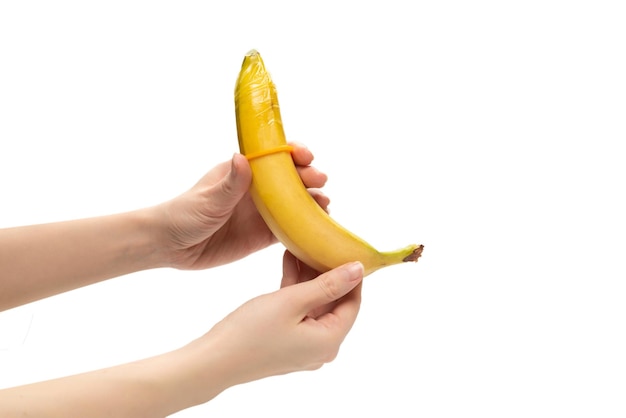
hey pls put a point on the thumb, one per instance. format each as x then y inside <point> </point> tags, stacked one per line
<point>230,189</point>
<point>328,287</point>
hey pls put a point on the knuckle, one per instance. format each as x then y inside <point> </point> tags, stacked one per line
<point>330,287</point>
<point>227,188</point>
<point>330,355</point>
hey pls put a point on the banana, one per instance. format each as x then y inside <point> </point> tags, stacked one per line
<point>281,198</point>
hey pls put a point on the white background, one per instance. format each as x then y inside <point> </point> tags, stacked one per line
<point>491,132</point>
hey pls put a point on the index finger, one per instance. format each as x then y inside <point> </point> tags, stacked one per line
<point>301,155</point>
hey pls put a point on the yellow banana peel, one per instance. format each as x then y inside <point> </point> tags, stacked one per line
<point>281,198</point>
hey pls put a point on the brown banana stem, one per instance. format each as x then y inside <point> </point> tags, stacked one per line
<point>417,252</point>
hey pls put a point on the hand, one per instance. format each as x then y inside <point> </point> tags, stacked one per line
<point>216,222</point>
<point>299,327</point>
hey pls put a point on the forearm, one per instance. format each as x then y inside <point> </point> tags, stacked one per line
<point>154,387</point>
<point>42,260</point>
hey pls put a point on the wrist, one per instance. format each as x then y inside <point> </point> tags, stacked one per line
<point>151,249</point>
<point>196,373</point>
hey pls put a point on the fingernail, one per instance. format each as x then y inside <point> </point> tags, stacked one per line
<point>356,271</point>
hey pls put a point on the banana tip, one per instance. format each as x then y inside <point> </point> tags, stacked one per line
<point>415,255</point>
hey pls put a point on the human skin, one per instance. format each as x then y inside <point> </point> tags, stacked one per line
<point>298,327</point>
<point>213,223</point>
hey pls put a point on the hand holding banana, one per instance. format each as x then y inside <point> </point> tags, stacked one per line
<point>281,198</point>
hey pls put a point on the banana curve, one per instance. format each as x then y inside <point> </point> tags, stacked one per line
<point>281,198</point>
